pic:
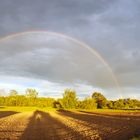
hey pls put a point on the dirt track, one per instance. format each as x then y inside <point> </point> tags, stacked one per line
<point>65,125</point>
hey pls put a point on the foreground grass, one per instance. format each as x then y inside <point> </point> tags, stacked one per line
<point>25,109</point>
<point>136,138</point>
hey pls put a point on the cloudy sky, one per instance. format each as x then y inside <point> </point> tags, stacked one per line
<point>51,62</point>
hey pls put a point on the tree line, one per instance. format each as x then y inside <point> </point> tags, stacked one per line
<point>68,101</point>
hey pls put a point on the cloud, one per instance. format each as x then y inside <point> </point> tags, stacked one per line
<point>53,58</point>
<point>45,88</point>
<point>111,27</point>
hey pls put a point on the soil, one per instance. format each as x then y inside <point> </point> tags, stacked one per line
<point>68,125</point>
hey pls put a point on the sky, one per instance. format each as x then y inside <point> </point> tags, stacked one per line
<point>51,62</point>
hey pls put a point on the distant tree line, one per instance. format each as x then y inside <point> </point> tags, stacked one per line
<point>68,101</point>
<point>30,98</point>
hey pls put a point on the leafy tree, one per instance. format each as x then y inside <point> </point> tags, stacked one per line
<point>2,100</point>
<point>119,104</point>
<point>13,93</point>
<point>69,99</point>
<point>57,105</point>
<point>88,103</point>
<point>31,93</point>
<point>109,104</point>
<point>45,102</point>
<point>100,100</point>
<point>136,103</point>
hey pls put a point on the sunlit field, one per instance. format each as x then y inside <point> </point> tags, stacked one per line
<point>25,109</point>
<point>34,123</point>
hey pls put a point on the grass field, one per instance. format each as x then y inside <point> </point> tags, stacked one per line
<point>33,123</point>
<point>25,109</point>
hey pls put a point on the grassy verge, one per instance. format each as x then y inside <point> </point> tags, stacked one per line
<point>25,109</point>
<point>136,138</point>
<point>108,110</point>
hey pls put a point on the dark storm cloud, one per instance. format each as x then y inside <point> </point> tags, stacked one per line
<point>47,14</point>
<point>111,27</point>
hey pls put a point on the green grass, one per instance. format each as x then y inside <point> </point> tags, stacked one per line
<point>25,109</point>
<point>136,138</point>
<point>108,110</point>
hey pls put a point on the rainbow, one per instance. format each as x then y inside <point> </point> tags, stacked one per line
<point>91,50</point>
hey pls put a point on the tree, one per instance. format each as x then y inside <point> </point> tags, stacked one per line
<point>13,93</point>
<point>100,100</point>
<point>57,105</point>
<point>45,102</point>
<point>2,101</point>
<point>109,104</point>
<point>31,93</point>
<point>88,103</point>
<point>69,99</point>
<point>119,104</point>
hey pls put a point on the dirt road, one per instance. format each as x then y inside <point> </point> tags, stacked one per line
<point>65,125</point>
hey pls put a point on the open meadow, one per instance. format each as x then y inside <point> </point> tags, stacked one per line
<point>32,123</point>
